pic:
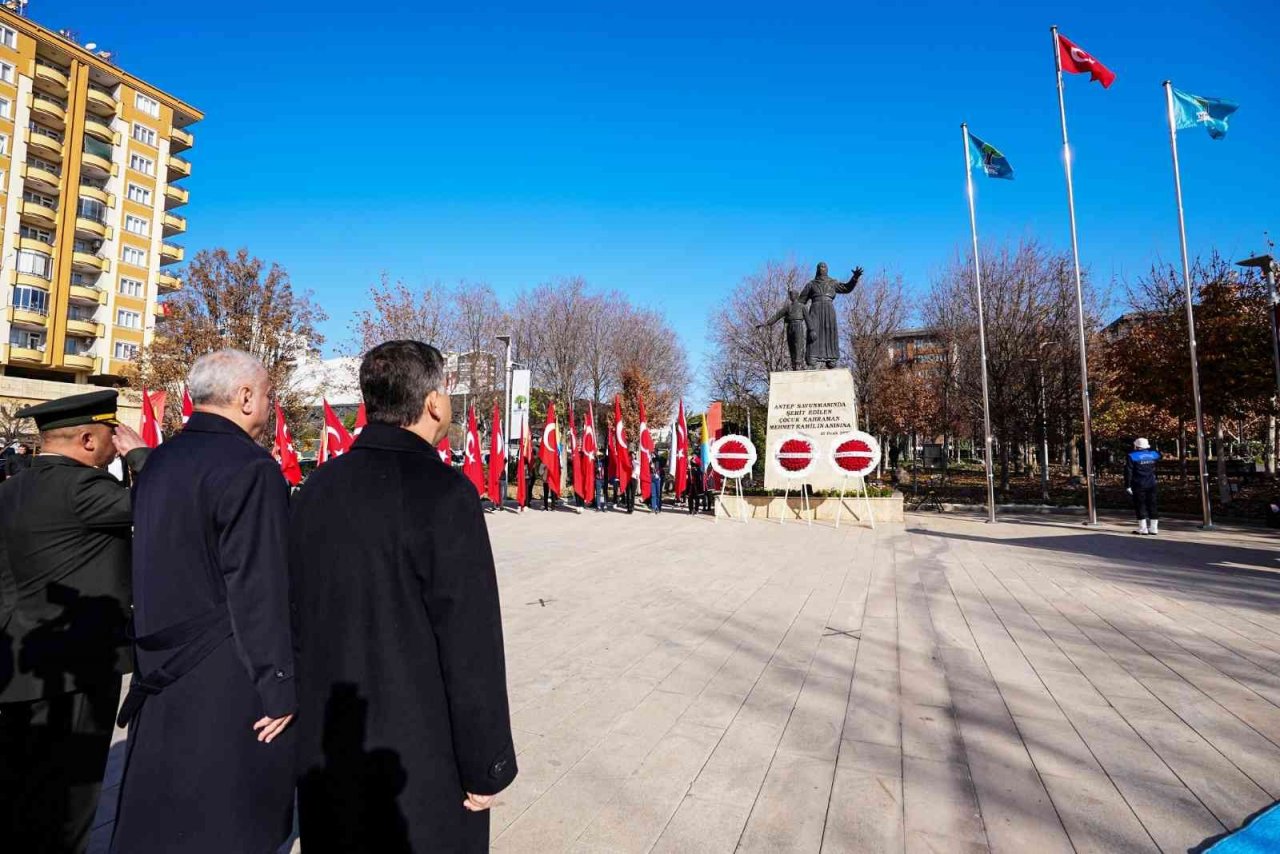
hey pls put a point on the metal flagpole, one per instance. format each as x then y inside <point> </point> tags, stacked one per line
<point>1075,257</point>
<point>1191,317</point>
<point>982,326</point>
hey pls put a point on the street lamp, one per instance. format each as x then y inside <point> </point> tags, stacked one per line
<point>1268,264</point>
<point>1044,425</point>
<point>506,414</point>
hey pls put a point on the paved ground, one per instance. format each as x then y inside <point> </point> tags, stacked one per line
<point>681,684</point>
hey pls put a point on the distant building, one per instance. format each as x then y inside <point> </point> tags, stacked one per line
<point>921,348</point>
<point>468,374</point>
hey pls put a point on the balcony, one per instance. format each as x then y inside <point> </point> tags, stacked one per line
<point>160,312</point>
<point>48,109</point>
<point>40,179</point>
<point>27,317</point>
<point>51,78</point>
<point>174,224</point>
<point>98,194</point>
<point>95,164</point>
<point>44,142</point>
<point>175,196</point>
<point>14,353</point>
<point>81,361</point>
<point>87,294</point>
<point>180,140</point>
<point>91,229</point>
<point>99,129</point>
<point>169,283</point>
<point>31,280</point>
<point>101,100</point>
<point>39,212</point>
<point>87,328</point>
<point>170,253</point>
<point>178,168</point>
<point>88,262</point>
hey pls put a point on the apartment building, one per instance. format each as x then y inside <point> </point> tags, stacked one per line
<point>91,168</point>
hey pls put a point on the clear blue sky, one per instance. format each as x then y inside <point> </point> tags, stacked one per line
<point>668,151</point>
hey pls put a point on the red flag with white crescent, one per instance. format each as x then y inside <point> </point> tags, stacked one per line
<point>681,462</point>
<point>445,451</point>
<point>1077,60</point>
<point>336,438</point>
<point>575,459</point>
<point>361,421</point>
<point>150,431</point>
<point>497,456</point>
<point>187,406</point>
<point>472,466</point>
<point>289,463</point>
<point>646,453</point>
<point>622,466</point>
<point>549,450</point>
<point>588,454</point>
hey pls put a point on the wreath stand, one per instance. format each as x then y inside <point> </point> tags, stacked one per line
<point>804,504</point>
<point>742,501</point>
<point>859,488</point>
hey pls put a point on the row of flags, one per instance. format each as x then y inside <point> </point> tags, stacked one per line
<point>581,454</point>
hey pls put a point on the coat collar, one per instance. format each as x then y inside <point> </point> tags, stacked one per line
<point>388,437</point>
<point>43,460</point>
<point>208,422</point>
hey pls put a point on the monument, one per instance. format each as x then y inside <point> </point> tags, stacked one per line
<point>817,402</point>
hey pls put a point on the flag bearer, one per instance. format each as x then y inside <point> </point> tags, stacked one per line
<point>1140,482</point>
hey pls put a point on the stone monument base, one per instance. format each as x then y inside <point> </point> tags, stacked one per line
<point>818,404</point>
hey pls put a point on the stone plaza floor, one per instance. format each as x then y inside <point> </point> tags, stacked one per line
<point>685,684</point>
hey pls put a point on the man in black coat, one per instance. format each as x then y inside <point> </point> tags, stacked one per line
<point>209,767</point>
<point>64,604</point>
<point>403,724</point>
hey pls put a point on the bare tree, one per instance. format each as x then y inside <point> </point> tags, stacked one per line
<point>548,327</point>
<point>476,319</point>
<point>744,356</point>
<point>872,314</point>
<point>397,311</point>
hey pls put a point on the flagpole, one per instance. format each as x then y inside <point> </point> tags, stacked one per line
<point>1086,408</point>
<point>982,327</point>
<point>1206,513</point>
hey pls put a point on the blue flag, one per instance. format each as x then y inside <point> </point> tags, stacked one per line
<point>989,158</point>
<point>1192,111</point>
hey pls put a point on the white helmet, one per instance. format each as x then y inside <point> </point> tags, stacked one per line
<point>1141,444</point>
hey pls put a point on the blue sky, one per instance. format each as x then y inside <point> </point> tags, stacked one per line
<point>668,151</point>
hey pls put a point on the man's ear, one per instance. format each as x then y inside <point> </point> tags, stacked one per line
<point>432,405</point>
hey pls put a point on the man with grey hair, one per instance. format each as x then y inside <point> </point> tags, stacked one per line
<point>209,766</point>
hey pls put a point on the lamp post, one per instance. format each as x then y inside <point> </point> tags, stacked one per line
<point>506,414</point>
<point>1044,426</point>
<point>1268,264</point>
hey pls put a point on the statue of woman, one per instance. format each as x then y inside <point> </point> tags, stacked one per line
<point>824,335</point>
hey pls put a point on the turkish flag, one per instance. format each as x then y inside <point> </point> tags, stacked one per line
<point>150,431</point>
<point>361,420</point>
<point>289,464</point>
<point>549,450</point>
<point>445,452</point>
<point>497,457</point>
<point>1077,60</point>
<point>522,464</point>
<point>681,462</point>
<point>646,454</point>
<point>336,439</point>
<point>618,446</point>
<point>589,455</point>
<point>187,406</point>
<point>472,467</point>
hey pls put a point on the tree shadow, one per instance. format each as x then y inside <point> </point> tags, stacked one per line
<point>348,805</point>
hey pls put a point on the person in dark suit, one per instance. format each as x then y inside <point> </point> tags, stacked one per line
<point>695,485</point>
<point>209,766</point>
<point>64,604</point>
<point>21,459</point>
<point>403,721</point>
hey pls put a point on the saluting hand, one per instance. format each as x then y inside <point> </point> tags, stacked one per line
<point>269,728</point>
<point>477,803</point>
<point>126,439</point>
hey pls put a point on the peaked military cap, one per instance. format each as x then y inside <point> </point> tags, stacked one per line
<point>96,407</point>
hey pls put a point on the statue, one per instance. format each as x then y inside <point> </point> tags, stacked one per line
<point>797,315</point>
<point>819,294</point>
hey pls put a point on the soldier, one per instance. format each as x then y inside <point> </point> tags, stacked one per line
<point>1140,482</point>
<point>64,604</point>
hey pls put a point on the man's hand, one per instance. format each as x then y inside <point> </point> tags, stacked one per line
<point>126,439</point>
<point>477,803</point>
<point>269,728</point>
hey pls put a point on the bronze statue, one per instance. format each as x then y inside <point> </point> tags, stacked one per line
<point>797,315</point>
<point>819,295</point>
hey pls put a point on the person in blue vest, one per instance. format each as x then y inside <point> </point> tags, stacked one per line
<point>1140,482</point>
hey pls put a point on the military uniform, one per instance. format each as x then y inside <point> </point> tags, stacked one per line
<point>65,541</point>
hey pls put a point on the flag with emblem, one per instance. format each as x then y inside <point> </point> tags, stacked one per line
<point>472,467</point>
<point>361,421</point>
<point>445,451</point>
<point>589,454</point>
<point>497,457</point>
<point>1191,111</point>
<point>987,157</point>
<point>1077,60</point>
<point>646,453</point>
<point>336,438</point>
<point>290,465</point>
<point>549,449</point>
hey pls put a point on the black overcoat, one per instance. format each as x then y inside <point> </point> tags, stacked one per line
<point>401,674</point>
<point>210,540</point>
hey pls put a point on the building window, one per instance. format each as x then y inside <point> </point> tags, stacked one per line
<point>81,244</point>
<point>92,209</point>
<point>31,299</point>
<point>39,199</point>
<point>6,72</point>
<point>131,288</point>
<point>134,256</point>
<point>78,346</point>
<point>128,319</point>
<point>142,133</point>
<point>29,233</point>
<point>6,108</point>
<point>145,165</point>
<point>146,105</point>
<point>140,195</point>
<point>26,339</point>
<point>35,263</point>
<point>126,351</point>
<point>8,37</point>
<point>37,163</point>
<point>4,145</point>
<point>80,312</point>
<point>137,225</point>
